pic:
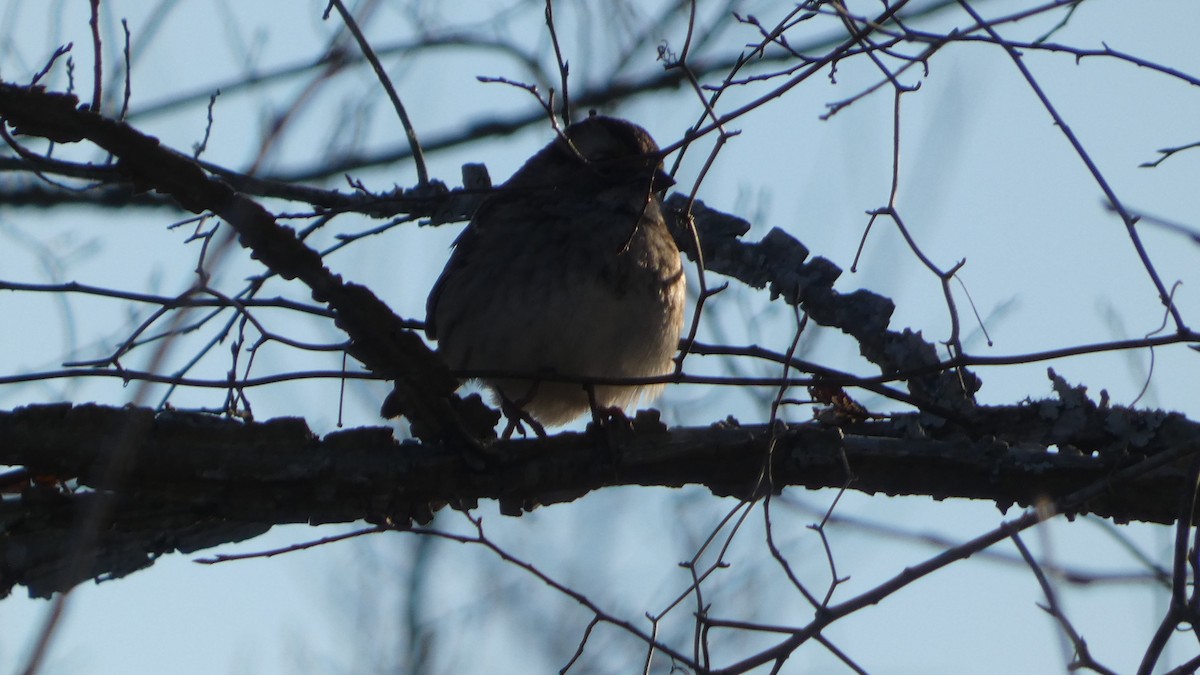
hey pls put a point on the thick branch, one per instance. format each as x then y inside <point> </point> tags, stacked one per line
<point>780,263</point>
<point>199,481</point>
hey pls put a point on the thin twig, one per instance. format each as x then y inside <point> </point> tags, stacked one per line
<point>369,53</point>
<point>50,63</point>
<point>1129,221</point>
<point>482,540</point>
<point>1177,607</point>
<point>271,553</point>
<point>1083,657</point>
<point>563,67</point>
<point>128,77</point>
<point>97,57</point>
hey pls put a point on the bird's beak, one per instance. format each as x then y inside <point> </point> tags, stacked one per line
<point>662,180</point>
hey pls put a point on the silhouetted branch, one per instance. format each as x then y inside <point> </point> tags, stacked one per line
<point>424,386</point>
<point>196,481</point>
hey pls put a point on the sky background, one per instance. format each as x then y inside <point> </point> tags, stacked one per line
<point>985,176</point>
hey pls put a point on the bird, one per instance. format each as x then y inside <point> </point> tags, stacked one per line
<point>567,271</point>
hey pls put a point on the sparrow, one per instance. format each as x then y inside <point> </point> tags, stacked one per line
<point>568,270</point>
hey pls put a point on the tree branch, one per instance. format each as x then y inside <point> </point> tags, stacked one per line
<point>424,385</point>
<point>197,481</point>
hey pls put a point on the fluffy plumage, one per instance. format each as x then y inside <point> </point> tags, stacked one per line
<point>568,268</point>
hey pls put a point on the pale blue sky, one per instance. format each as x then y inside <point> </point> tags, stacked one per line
<point>986,176</point>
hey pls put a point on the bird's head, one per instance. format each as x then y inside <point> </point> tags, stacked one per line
<point>616,150</point>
